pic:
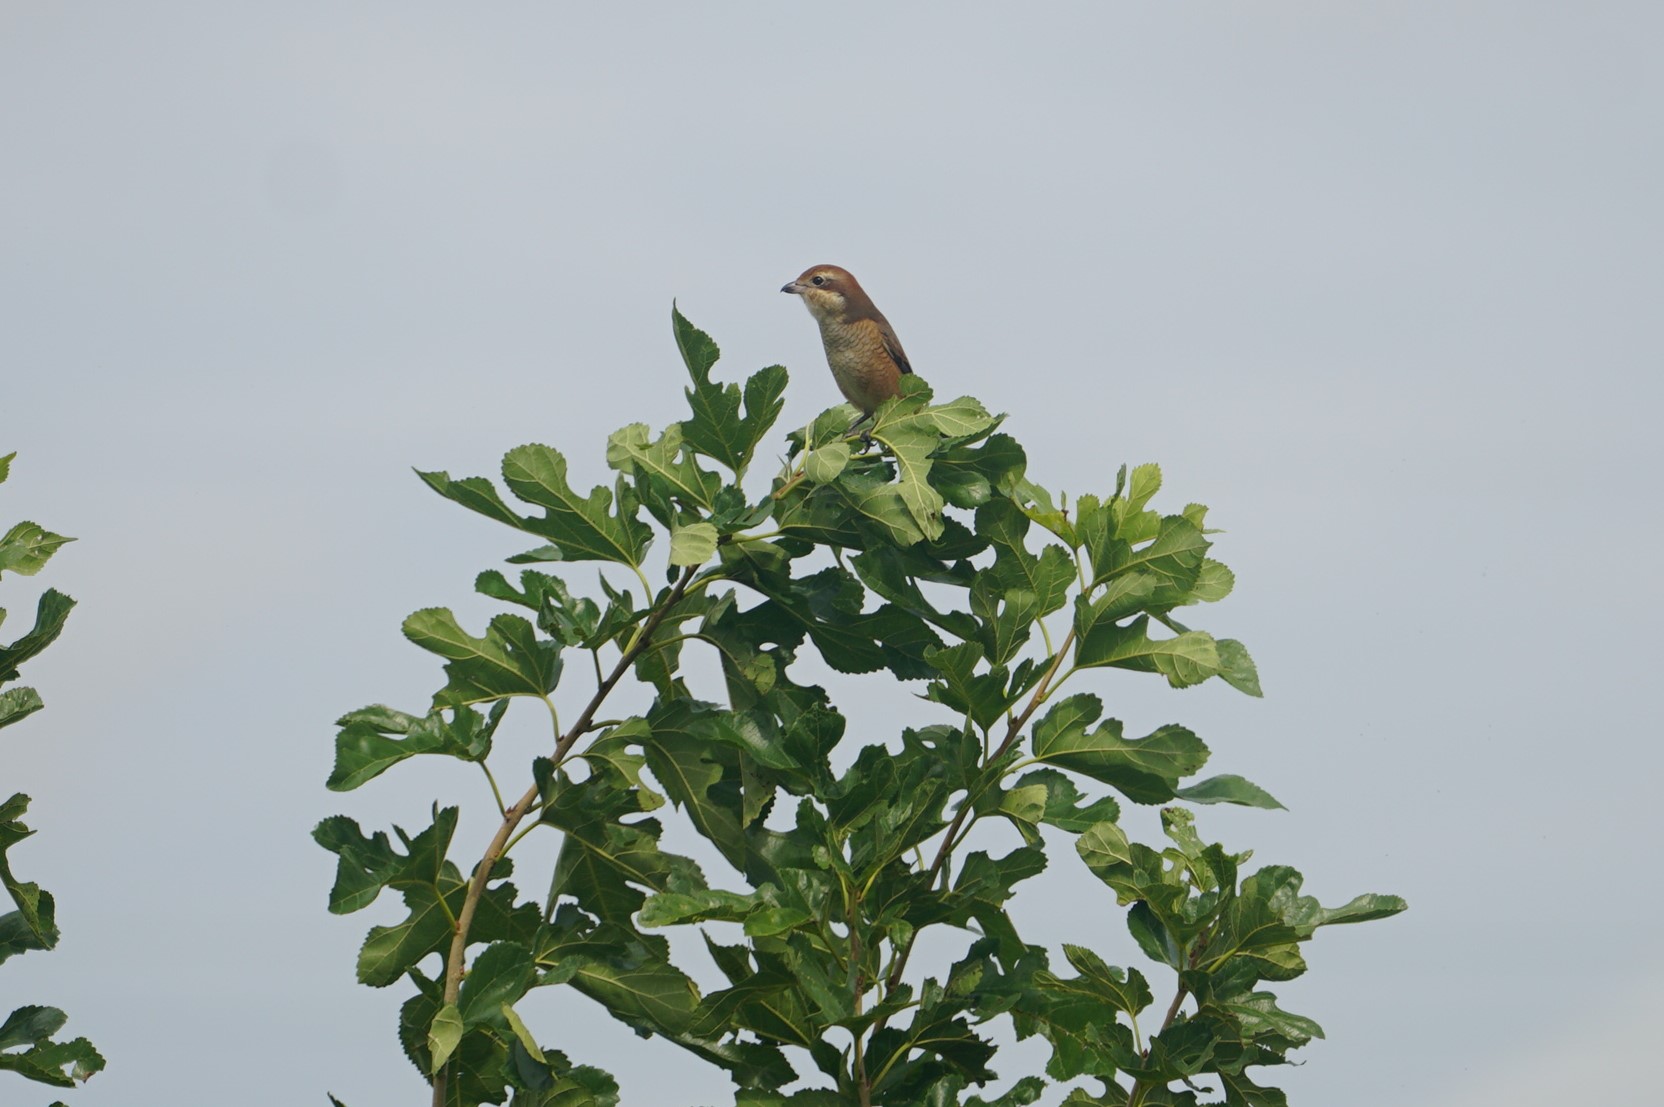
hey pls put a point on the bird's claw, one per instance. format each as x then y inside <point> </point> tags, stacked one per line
<point>866,435</point>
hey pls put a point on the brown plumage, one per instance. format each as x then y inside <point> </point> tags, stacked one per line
<point>861,347</point>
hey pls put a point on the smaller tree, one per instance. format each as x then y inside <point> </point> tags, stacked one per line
<point>26,1044</point>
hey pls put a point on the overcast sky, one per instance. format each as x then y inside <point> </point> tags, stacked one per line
<point>1380,283</point>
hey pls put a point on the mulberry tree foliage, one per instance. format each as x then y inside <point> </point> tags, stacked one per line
<point>27,1043</point>
<point>934,559</point>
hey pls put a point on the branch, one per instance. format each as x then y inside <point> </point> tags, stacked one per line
<point>852,917</point>
<point>949,840</point>
<point>521,806</point>
<point>1139,1087</point>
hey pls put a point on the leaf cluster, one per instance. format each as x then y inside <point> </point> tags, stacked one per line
<point>27,1046</point>
<point>931,559</point>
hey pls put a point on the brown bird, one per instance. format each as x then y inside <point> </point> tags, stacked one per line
<point>861,347</point>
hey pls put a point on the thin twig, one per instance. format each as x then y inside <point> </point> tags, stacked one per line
<point>951,838</point>
<point>1139,1087</point>
<point>519,809</point>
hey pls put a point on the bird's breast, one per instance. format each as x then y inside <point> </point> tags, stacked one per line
<point>862,367</point>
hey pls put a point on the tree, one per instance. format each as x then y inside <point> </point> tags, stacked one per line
<point>26,1044</point>
<point>932,559</point>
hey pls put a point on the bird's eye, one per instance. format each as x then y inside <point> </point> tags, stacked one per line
<point>817,280</point>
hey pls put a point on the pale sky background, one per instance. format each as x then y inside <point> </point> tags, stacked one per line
<point>1381,283</point>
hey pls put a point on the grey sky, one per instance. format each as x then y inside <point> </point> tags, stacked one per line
<point>1380,283</point>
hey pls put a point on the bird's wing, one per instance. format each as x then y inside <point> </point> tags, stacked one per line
<point>892,346</point>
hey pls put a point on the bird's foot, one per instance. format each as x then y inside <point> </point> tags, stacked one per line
<point>866,435</point>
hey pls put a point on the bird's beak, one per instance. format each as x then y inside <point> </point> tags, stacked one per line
<point>795,287</point>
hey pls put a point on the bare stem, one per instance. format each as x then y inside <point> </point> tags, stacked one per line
<point>519,809</point>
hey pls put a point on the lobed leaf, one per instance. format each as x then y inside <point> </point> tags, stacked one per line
<point>50,614</point>
<point>716,428</point>
<point>1145,771</point>
<point>1186,659</point>
<point>365,747</point>
<point>510,660</point>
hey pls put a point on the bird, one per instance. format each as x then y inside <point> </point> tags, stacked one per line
<point>866,358</point>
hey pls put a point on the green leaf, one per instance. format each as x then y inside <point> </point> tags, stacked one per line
<point>444,1035</point>
<point>1124,989</point>
<point>1145,771</point>
<point>699,351</point>
<point>1237,668</point>
<point>572,620</point>
<point>59,1064</point>
<point>626,974</point>
<point>499,976</point>
<point>716,428</point>
<point>1023,1092</point>
<point>1240,1091</point>
<point>1081,1016</point>
<point>1229,788</point>
<point>509,661</point>
<point>29,1026</point>
<point>984,886</point>
<point>913,430</point>
<point>1187,659</point>
<point>613,756</point>
<point>698,776</point>
<point>1038,505</point>
<point>27,546</point>
<point>828,606</point>
<point>582,529</point>
<point>665,462</point>
<point>944,1039</point>
<point>432,889</point>
<point>36,910</point>
<point>970,476</point>
<point>50,613</point>
<point>705,905</point>
<point>825,462</point>
<point>17,703</point>
<point>477,495</point>
<point>1047,796</point>
<point>962,419</point>
<point>1279,885</point>
<point>1134,871</point>
<point>1049,576</point>
<point>841,512</point>
<point>982,697</point>
<point>604,864</point>
<point>1145,483</point>
<point>365,747</point>
<point>364,865</point>
<point>1213,583</point>
<point>692,544</point>
<point>897,575</point>
<point>1259,1017</point>
<point>523,1034</point>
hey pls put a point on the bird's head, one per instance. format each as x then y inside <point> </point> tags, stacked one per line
<point>826,290</point>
